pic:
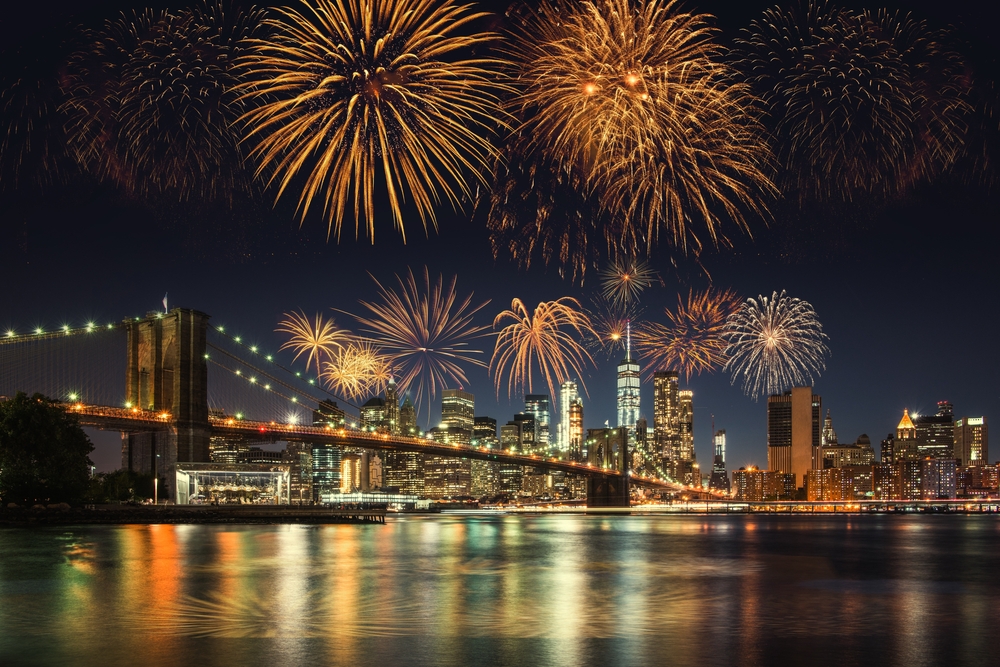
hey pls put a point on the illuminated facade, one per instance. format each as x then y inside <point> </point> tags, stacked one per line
<point>392,408</point>
<point>936,433</point>
<point>568,394</point>
<point>628,388</point>
<point>404,470</point>
<point>904,446</point>
<point>447,476</point>
<point>840,456</point>
<point>972,441</point>
<point>754,485</point>
<point>719,480</point>
<point>794,431</point>
<point>575,443</point>
<point>666,429</point>
<point>537,405</point>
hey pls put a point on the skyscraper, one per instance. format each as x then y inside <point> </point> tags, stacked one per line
<point>575,445</point>
<point>392,407</point>
<point>628,387</point>
<point>537,405</point>
<point>904,446</point>
<point>449,475</point>
<point>458,408</point>
<point>666,429</point>
<point>793,432</point>
<point>326,458</point>
<point>936,433</point>
<point>568,393</point>
<point>719,480</point>
<point>972,442</point>
<point>407,417</point>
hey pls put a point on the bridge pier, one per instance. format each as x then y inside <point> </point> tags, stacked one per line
<point>608,491</point>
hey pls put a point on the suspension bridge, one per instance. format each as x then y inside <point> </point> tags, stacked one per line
<point>187,382</point>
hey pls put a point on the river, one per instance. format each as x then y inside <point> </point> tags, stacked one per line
<point>493,589</point>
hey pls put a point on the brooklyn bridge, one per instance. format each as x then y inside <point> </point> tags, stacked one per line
<point>187,382</point>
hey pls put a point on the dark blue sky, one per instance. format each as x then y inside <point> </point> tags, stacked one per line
<point>906,291</point>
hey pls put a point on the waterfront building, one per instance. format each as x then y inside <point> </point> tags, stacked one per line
<point>685,422</point>
<point>982,481</point>
<point>972,441</point>
<point>485,474</point>
<point>327,458</point>
<point>449,476</point>
<point>937,479</point>
<point>537,405</point>
<point>569,393</point>
<point>536,484</point>
<point>910,483</point>
<point>458,408</point>
<point>527,423</point>
<point>220,450</point>
<point>886,453</point>
<point>886,481</point>
<point>720,479</point>
<point>794,431</point>
<point>627,394</point>
<point>575,442</point>
<point>403,470</point>
<point>755,485</point>
<point>825,484</point>
<point>407,417</point>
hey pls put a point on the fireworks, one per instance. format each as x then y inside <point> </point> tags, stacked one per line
<point>547,339</point>
<point>609,323</point>
<point>863,102</point>
<point>424,330</point>
<point>359,91</point>
<point>775,343</point>
<point>692,342</point>
<point>623,281</point>
<point>356,370</point>
<point>632,94</point>
<point>319,339</point>
<point>150,103</point>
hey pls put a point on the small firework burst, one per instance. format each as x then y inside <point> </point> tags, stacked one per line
<point>318,339</point>
<point>624,280</point>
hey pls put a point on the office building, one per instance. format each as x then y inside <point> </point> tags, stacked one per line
<point>981,481</point>
<point>537,405</point>
<point>485,474</point>
<point>794,432</point>
<point>448,476</point>
<point>665,416</point>
<point>373,414</point>
<point>568,394</point>
<point>628,387</point>
<point>972,441</point>
<point>298,456</point>
<point>392,408</point>
<point>526,422</point>
<point>327,459</point>
<point>720,479</point>
<point>936,433</point>
<point>937,479</point>
<point>904,446</point>
<point>458,408</point>
<point>407,418</point>
<point>837,455</point>
<point>755,485</point>
<point>575,442</point>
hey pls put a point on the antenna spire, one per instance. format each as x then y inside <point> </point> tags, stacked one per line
<point>628,339</point>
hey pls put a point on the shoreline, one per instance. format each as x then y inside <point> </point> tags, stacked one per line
<point>185,514</point>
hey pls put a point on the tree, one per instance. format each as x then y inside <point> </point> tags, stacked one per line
<point>44,454</point>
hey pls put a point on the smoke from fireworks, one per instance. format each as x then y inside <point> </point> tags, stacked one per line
<point>863,102</point>
<point>547,339</point>
<point>357,370</point>
<point>633,95</point>
<point>318,339</point>
<point>361,94</point>
<point>692,341</point>
<point>424,330</point>
<point>775,343</point>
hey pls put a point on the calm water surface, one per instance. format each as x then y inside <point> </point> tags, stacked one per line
<point>508,590</point>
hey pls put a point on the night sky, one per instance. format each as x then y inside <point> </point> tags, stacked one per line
<point>906,289</point>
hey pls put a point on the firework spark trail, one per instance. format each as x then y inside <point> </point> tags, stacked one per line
<point>624,280</point>
<point>863,102</point>
<point>633,94</point>
<point>357,94</point>
<point>425,330</point>
<point>775,343</point>
<point>548,338</point>
<point>609,322</point>
<point>692,341</point>
<point>357,370</point>
<point>319,340</point>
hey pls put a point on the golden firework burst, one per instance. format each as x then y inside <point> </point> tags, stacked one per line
<point>634,94</point>
<point>692,341</point>
<point>549,339</point>
<point>357,370</point>
<point>358,95</point>
<point>318,339</point>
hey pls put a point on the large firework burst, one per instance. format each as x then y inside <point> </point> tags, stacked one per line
<point>318,339</point>
<point>424,330</point>
<point>357,370</point>
<point>363,94</point>
<point>862,102</point>
<point>775,343</point>
<point>691,342</point>
<point>548,339</point>
<point>633,94</point>
<point>610,324</point>
<point>151,102</point>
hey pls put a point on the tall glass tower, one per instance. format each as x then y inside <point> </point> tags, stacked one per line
<point>568,394</point>
<point>628,386</point>
<point>537,405</point>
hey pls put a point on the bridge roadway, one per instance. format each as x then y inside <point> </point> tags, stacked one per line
<point>135,419</point>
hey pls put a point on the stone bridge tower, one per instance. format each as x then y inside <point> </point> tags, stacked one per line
<point>167,372</point>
